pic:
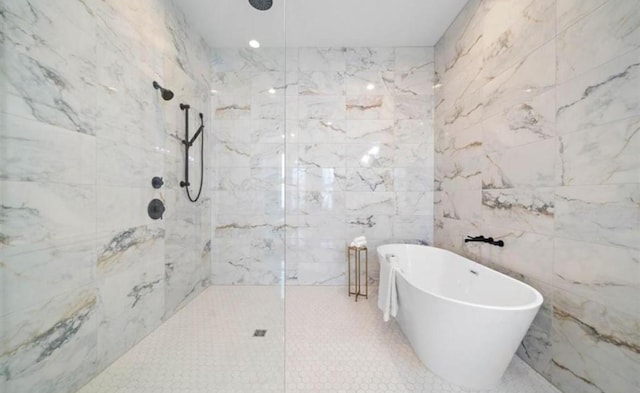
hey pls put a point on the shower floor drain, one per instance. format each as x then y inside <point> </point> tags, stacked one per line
<point>260,333</point>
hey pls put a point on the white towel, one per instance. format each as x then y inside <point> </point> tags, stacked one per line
<point>359,242</point>
<point>387,290</point>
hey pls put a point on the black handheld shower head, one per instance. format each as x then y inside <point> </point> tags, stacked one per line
<point>166,93</point>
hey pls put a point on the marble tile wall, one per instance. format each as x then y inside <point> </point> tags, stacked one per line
<point>314,146</point>
<point>84,272</point>
<point>537,116</point>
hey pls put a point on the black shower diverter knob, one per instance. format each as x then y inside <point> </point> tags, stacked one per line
<point>157,182</point>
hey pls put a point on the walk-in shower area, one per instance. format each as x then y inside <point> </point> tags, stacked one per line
<point>433,196</point>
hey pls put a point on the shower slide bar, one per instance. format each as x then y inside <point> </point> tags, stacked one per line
<point>187,145</point>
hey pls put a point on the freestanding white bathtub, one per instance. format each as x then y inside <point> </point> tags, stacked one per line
<point>463,320</point>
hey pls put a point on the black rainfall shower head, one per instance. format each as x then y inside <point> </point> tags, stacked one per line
<point>261,5</point>
<point>166,93</point>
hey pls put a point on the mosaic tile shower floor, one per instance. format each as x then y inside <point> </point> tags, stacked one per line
<point>332,345</point>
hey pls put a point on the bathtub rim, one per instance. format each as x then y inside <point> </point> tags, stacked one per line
<point>536,303</point>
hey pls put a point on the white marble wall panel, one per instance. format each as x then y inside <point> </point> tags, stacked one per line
<point>513,30</point>
<point>321,107</point>
<point>44,84</point>
<point>532,76</point>
<point>356,158</point>
<point>322,59</point>
<point>600,95</point>
<point>83,132</point>
<point>43,343</point>
<point>316,131</point>
<point>531,120</point>
<point>44,152</point>
<point>44,213</point>
<point>54,270</point>
<point>604,214</point>
<point>371,59</point>
<point>521,166</point>
<point>606,154</point>
<point>536,117</point>
<point>621,21</point>
<point>605,274</point>
<point>596,342</point>
<point>369,83</point>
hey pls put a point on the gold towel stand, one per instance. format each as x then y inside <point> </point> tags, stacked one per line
<point>357,287</point>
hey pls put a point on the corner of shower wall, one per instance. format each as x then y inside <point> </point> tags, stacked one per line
<point>187,239</point>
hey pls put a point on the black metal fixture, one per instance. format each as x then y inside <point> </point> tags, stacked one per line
<point>157,182</point>
<point>261,5</point>
<point>166,93</point>
<point>483,239</point>
<point>187,144</point>
<point>155,209</point>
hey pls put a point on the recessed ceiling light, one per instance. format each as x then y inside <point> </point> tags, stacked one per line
<point>272,91</point>
<point>254,44</point>
<point>371,86</point>
<point>214,91</point>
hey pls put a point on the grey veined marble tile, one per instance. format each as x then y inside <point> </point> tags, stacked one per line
<point>606,154</point>
<point>532,75</point>
<point>378,107</point>
<point>328,83</point>
<point>36,151</point>
<point>54,270</point>
<point>595,348</point>
<point>531,165</point>
<point>46,212</point>
<point>604,34</point>
<point>414,59</point>
<point>48,341</point>
<point>606,215</point>
<point>525,209</point>
<point>512,30</point>
<point>370,179</point>
<point>608,275</point>
<point>369,59</point>
<point>42,83</point>
<point>322,59</point>
<point>602,95</point>
<point>528,121</point>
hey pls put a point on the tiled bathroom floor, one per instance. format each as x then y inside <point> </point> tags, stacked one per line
<point>332,345</point>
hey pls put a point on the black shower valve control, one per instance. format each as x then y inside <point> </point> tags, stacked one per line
<point>155,209</point>
<point>157,182</point>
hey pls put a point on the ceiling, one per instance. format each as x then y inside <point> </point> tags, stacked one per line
<point>322,23</point>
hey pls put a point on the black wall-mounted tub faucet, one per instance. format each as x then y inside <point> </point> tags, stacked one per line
<point>483,239</point>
